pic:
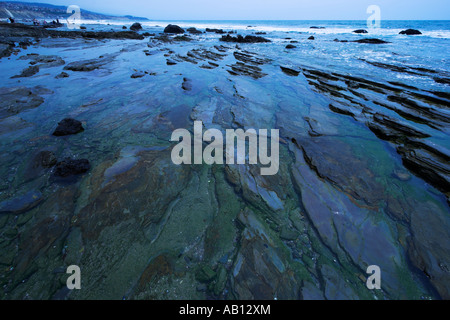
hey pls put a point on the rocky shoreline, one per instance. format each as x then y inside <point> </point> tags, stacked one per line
<point>363,179</point>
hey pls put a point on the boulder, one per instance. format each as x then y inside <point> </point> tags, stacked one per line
<point>193,31</point>
<point>68,126</point>
<point>311,38</point>
<point>290,46</point>
<point>136,26</point>
<point>371,41</point>
<point>241,39</point>
<point>410,32</point>
<point>173,29</point>
<point>360,31</point>
<point>218,31</point>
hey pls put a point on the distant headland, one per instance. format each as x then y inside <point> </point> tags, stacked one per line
<point>27,10</point>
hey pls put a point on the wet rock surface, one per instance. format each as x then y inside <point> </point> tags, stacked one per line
<point>27,72</point>
<point>90,64</point>
<point>363,175</point>
<point>70,167</point>
<point>17,99</point>
<point>22,203</point>
<point>19,30</point>
<point>405,135</point>
<point>43,61</point>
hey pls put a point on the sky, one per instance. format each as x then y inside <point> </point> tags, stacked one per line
<point>265,9</point>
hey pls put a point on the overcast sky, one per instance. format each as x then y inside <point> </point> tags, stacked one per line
<point>265,9</point>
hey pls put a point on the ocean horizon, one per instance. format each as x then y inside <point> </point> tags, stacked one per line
<point>119,168</point>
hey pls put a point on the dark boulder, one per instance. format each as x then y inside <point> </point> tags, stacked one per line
<point>69,167</point>
<point>314,27</point>
<point>360,31</point>
<point>173,29</point>
<point>410,32</point>
<point>124,27</point>
<point>193,31</point>
<point>311,38</point>
<point>371,41</point>
<point>136,26</point>
<point>68,126</point>
<point>241,39</point>
<point>218,31</point>
<point>290,46</point>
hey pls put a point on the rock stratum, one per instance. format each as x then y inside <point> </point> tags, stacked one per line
<point>363,178</point>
